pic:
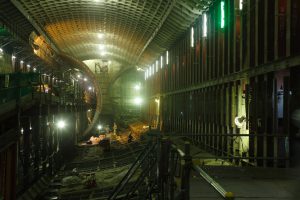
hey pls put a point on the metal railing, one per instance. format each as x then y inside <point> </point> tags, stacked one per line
<point>136,173</point>
<point>163,172</point>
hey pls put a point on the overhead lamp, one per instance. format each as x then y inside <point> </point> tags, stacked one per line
<point>13,57</point>
<point>28,65</point>
<point>222,14</point>
<point>192,37</point>
<point>204,24</point>
<point>90,88</point>
<point>61,124</point>
<point>137,87</point>
<point>138,101</point>
<point>1,50</point>
<point>99,127</point>
<point>85,79</point>
<point>78,76</point>
<point>167,57</point>
<point>21,61</point>
<point>241,5</point>
<point>100,35</point>
<point>101,46</point>
<point>34,69</point>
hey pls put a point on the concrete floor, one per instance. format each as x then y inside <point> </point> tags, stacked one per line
<point>247,183</point>
<point>258,183</point>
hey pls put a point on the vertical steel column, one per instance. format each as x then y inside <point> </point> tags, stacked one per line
<point>26,151</point>
<point>172,174</point>
<point>185,179</point>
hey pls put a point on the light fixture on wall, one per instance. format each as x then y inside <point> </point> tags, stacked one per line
<point>61,124</point>
<point>138,101</point>
<point>239,121</point>
<point>204,25</point>
<point>241,5</point>
<point>137,87</point>
<point>222,14</point>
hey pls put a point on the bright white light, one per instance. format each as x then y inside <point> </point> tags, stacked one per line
<point>167,57</point>
<point>28,66</point>
<point>103,53</point>
<point>241,4</point>
<point>109,62</point>
<point>239,121</point>
<point>21,61</point>
<point>222,14</point>
<point>61,124</point>
<point>100,35</point>
<point>161,61</point>
<point>13,57</point>
<point>34,69</point>
<point>192,37</point>
<point>137,87</point>
<point>99,127</point>
<point>1,50</point>
<point>139,69</point>
<point>85,79</point>
<point>204,23</point>
<point>78,76</point>
<point>153,68</point>
<point>138,101</point>
<point>101,46</point>
<point>90,88</point>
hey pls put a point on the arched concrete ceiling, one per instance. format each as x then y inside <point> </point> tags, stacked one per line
<point>137,31</point>
<point>126,32</point>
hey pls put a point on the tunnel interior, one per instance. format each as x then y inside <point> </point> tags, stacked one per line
<point>136,99</point>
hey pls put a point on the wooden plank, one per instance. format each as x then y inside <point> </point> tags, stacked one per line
<point>266,32</point>
<point>286,118</point>
<point>288,28</point>
<point>276,31</point>
<point>265,120</point>
<point>256,31</point>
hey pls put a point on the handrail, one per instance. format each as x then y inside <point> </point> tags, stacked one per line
<point>138,162</point>
<point>174,165</point>
<point>225,194</point>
